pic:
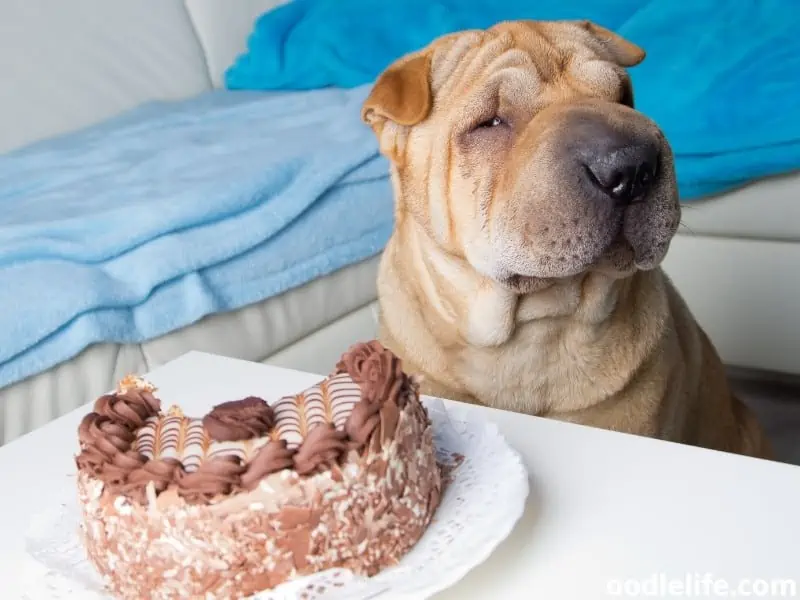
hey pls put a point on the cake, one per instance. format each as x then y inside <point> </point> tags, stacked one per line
<point>251,495</point>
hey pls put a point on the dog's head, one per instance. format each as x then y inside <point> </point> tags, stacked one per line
<point>518,149</point>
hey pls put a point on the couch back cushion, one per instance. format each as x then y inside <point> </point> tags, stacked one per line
<point>64,65</point>
<point>223,28</point>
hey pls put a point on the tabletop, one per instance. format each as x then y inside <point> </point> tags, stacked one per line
<point>609,514</point>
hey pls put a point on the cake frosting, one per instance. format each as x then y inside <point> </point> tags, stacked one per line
<point>252,494</point>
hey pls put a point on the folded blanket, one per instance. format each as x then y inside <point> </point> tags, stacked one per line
<point>722,77</point>
<point>140,226</point>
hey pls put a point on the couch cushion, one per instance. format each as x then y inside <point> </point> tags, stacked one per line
<point>67,64</point>
<point>766,209</point>
<point>223,29</point>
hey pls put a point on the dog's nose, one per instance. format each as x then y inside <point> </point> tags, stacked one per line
<point>625,173</point>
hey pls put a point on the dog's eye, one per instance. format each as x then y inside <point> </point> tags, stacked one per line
<point>490,123</point>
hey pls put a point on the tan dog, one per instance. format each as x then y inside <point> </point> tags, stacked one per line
<point>533,208</point>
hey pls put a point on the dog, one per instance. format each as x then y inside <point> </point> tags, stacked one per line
<point>533,207</point>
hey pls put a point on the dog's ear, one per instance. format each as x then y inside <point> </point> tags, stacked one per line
<point>621,51</point>
<point>402,93</point>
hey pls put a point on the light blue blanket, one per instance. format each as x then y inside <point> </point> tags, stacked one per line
<point>145,224</point>
<point>722,77</point>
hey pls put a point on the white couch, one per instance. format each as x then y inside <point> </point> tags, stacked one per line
<point>64,65</point>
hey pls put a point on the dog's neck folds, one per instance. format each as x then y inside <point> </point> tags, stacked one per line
<point>481,310</point>
<point>484,312</point>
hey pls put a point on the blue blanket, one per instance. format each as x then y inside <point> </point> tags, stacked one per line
<point>145,224</point>
<point>722,77</point>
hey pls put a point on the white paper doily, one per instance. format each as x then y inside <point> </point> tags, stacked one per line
<point>481,504</point>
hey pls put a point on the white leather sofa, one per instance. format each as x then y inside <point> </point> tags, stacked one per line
<point>68,64</point>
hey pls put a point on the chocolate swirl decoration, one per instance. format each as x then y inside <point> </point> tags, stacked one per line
<point>272,458</point>
<point>161,473</point>
<point>130,409</point>
<point>239,420</point>
<point>362,422</point>
<point>216,477</point>
<point>320,450</point>
<point>118,469</point>
<point>384,389</point>
<point>107,435</point>
<point>101,440</point>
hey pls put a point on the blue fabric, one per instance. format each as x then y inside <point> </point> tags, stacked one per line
<point>722,77</point>
<point>147,223</point>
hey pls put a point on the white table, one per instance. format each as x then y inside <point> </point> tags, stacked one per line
<point>604,506</point>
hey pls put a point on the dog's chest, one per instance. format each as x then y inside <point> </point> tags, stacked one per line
<point>521,375</point>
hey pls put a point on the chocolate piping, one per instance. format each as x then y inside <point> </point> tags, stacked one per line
<point>131,408</point>
<point>272,458</point>
<point>239,420</point>
<point>219,476</point>
<point>320,450</point>
<point>160,472</point>
<point>108,434</point>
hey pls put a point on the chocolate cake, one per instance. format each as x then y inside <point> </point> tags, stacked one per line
<point>251,495</point>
